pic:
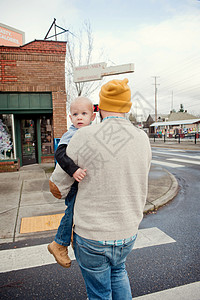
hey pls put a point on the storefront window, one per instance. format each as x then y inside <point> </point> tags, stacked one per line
<point>6,137</point>
<point>46,135</point>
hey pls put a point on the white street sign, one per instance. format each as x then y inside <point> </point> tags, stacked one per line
<point>99,70</point>
<point>88,72</point>
<point>114,70</point>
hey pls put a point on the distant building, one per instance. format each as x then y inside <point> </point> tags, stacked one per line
<point>175,116</point>
<point>176,123</point>
<point>151,119</point>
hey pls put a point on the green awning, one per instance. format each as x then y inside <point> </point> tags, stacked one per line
<point>21,103</point>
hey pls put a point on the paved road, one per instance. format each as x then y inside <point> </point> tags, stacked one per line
<point>166,255</point>
<point>174,264</point>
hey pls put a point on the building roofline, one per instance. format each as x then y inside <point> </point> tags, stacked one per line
<point>19,47</point>
<point>177,122</point>
<point>64,42</point>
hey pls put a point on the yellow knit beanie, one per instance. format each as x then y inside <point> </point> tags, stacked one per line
<point>115,96</point>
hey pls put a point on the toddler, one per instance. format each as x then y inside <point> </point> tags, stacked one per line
<point>81,114</point>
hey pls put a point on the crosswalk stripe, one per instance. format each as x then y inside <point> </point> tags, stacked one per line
<point>181,155</point>
<point>184,292</point>
<point>167,164</point>
<point>35,256</point>
<point>187,161</point>
<point>168,149</point>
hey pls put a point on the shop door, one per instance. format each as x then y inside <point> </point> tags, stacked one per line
<point>28,141</point>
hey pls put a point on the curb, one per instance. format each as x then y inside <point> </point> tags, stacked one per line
<point>164,199</point>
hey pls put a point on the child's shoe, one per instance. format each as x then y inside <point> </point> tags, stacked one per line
<point>60,254</point>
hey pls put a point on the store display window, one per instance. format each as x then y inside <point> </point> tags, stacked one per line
<point>46,135</point>
<point>6,137</point>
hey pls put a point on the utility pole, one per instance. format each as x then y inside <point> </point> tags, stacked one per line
<point>155,84</point>
<point>172,102</point>
<point>156,112</point>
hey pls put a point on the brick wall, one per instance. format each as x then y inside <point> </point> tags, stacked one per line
<point>38,66</point>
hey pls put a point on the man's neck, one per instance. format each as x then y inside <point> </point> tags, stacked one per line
<point>106,114</point>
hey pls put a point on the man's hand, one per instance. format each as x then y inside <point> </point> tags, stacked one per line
<point>79,174</point>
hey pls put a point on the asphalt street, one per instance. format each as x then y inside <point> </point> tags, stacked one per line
<point>164,263</point>
<point>174,264</point>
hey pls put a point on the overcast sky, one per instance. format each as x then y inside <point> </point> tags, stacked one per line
<point>161,37</point>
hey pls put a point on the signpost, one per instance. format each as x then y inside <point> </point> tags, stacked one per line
<point>98,71</point>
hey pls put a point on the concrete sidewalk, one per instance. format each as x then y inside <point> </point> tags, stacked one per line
<point>26,194</point>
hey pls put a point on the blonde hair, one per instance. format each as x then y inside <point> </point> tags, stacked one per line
<point>81,98</point>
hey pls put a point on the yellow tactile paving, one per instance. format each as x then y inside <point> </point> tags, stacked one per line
<point>40,223</point>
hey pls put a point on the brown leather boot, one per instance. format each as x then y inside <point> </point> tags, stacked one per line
<point>60,254</point>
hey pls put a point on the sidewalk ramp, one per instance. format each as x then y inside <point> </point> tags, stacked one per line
<point>40,223</point>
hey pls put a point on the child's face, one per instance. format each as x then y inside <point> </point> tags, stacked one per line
<point>81,114</point>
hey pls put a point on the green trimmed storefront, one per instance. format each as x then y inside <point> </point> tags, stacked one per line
<point>26,121</point>
<point>32,102</point>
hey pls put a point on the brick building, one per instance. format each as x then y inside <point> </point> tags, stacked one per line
<point>32,102</point>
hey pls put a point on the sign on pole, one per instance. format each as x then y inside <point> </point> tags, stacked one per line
<point>98,71</point>
<point>88,72</point>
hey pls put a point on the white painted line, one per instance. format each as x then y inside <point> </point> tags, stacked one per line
<point>187,161</point>
<point>168,149</point>
<point>176,150</point>
<point>166,164</point>
<point>181,155</point>
<point>35,256</point>
<point>27,257</point>
<point>149,237</point>
<point>184,292</point>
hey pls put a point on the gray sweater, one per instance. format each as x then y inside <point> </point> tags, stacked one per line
<point>111,198</point>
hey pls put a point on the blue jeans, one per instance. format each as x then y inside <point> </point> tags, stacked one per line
<point>103,268</point>
<point>64,232</point>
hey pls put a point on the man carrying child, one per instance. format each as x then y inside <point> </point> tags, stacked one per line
<point>111,197</point>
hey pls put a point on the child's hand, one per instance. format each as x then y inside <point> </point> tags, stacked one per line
<point>79,174</point>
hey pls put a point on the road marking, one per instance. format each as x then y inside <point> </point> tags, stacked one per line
<point>181,155</point>
<point>149,237</point>
<point>176,150</point>
<point>35,256</point>
<point>27,257</point>
<point>168,149</point>
<point>184,292</point>
<point>167,164</point>
<point>187,161</point>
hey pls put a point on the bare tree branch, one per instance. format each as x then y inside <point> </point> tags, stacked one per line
<point>79,52</point>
